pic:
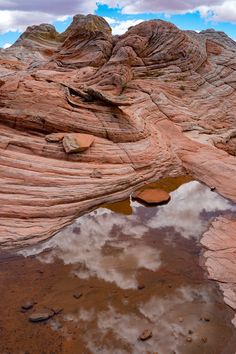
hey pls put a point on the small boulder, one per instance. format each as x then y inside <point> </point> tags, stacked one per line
<point>78,295</point>
<point>96,174</point>
<point>74,142</point>
<point>27,306</point>
<point>57,310</point>
<point>41,316</point>
<point>54,137</point>
<point>152,196</point>
<point>145,335</point>
<point>141,286</point>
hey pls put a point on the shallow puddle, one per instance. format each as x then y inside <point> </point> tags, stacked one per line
<point>116,272</point>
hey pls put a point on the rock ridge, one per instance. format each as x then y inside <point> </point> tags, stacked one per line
<point>158,101</point>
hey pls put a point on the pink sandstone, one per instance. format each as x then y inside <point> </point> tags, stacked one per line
<point>220,257</point>
<point>158,101</point>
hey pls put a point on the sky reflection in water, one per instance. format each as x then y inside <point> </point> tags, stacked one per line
<point>159,314</point>
<point>112,246</point>
<point>158,244</point>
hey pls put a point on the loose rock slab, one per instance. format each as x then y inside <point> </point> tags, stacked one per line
<point>41,316</point>
<point>152,196</point>
<point>54,137</point>
<point>73,143</point>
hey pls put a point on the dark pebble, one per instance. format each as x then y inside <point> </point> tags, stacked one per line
<point>145,335</point>
<point>57,310</point>
<point>77,295</point>
<point>141,287</point>
<point>27,306</point>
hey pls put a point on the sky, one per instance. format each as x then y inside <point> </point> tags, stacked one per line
<point>197,15</point>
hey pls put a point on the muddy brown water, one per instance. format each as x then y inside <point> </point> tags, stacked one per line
<point>116,272</point>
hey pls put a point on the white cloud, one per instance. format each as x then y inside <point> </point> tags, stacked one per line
<point>17,15</point>
<point>226,11</point>
<point>6,45</point>
<point>53,7</point>
<point>18,20</point>
<point>120,27</point>
<point>110,20</point>
<point>63,18</point>
<point>219,10</point>
<point>153,6</point>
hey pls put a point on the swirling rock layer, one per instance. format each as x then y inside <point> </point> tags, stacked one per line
<point>220,260</point>
<point>158,101</point>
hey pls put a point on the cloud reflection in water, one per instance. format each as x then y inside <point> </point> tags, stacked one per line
<point>185,212</point>
<point>112,246</point>
<point>158,314</point>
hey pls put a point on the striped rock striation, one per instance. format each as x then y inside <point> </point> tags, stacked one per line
<point>158,101</point>
<point>220,257</point>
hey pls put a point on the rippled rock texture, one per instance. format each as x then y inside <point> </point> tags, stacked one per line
<point>220,241</point>
<point>158,101</point>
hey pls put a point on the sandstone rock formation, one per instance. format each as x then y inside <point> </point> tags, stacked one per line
<point>159,102</point>
<point>220,242</point>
